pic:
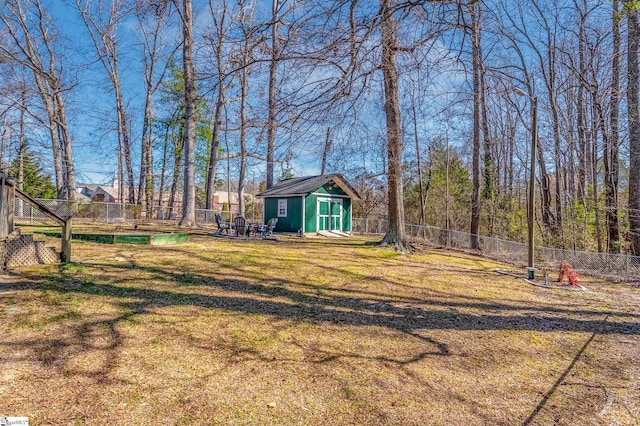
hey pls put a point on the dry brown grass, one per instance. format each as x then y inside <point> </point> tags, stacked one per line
<point>310,332</point>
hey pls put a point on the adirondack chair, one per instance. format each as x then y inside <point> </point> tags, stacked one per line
<point>222,226</point>
<point>267,230</point>
<point>240,225</point>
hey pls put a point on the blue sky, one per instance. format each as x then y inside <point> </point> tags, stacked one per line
<point>91,104</point>
<point>91,108</point>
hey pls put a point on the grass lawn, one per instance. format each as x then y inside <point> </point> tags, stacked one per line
<point>310,332</point>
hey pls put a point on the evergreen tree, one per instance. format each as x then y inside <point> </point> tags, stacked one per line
<point>36,183</point>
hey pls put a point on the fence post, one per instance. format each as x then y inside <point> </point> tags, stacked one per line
<point>66,241</point>
<point>627,262</point>
<point>107,209</point>
<point>366,226</point>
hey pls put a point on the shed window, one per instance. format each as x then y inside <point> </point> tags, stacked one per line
<point>282,208</point>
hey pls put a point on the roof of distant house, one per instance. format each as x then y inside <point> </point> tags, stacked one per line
<point>107,189</point>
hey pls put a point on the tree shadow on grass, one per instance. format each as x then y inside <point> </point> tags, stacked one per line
<point>363,300</point>
<point>291,300</point>
<point>260,297</point>
<point>435,298</point>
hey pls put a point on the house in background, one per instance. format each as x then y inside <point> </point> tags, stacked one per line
<point>311,204</point>
<point>99,193</point>
<point>225,199</point>
<point>105,194</point>
<point>86,189</point>
<point>108,193</point>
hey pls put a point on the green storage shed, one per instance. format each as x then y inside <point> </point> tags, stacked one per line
<point>311,204</point>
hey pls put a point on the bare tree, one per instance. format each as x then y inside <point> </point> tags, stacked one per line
<point>396,232</point>
<point>526,42</point>
<point>102,22</point>
<point>22,141</point>
<point>244,67</point>
<point>273,69</point>
<point>611,148</point>
<point>153,17</point>
<point>474,10</point>
<point>325,151</point>
<point>32,33</point>
<point>633,106</point>
<point>549,71</point>
<point>185,11</point>
<point>223,23</point>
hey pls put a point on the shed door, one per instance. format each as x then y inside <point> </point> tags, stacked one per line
<point>336,216</point>
<point>323,215</point>
<point>329,215</point>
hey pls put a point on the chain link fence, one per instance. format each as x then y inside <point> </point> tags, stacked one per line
<point>111,213</point>
<point>613,266</point>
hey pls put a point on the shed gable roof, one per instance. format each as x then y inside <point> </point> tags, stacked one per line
<point>307,185</point>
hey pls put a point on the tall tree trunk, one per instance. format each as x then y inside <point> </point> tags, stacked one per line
<point>120,179</point>
<point>553,102</point>
<point>594,172</point>
<point>163,167</point>
<point>633,105</point>
<point>243,73</point>
<point>488,192</point>
<point>571,167</point>
<point>189,206</point>
<point>151,31</point>
<point>273,68</point>
<point>126,142</point>
<point>52,127</point>
<point>215,145</point>
<point>148,177</point>
<point>551,84</point>
<point>418,158</point>
<point>22,147</point>
<point>611,168</point>
<point>145,183</point>
<point>69,172</point>
<point>178,155</point>
<point>545,191</point>
<point>395,233</point>
<point>104,40</point>
<point>218,43</point>
<point>582,124</point>
<point>3,143</point>
<point>45,72</point>
<point>325,151</point>
<point>475,167</point>
<point>244,85</point>
<point>510,148</point>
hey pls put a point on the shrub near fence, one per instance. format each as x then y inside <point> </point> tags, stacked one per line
<point>617,266</point>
